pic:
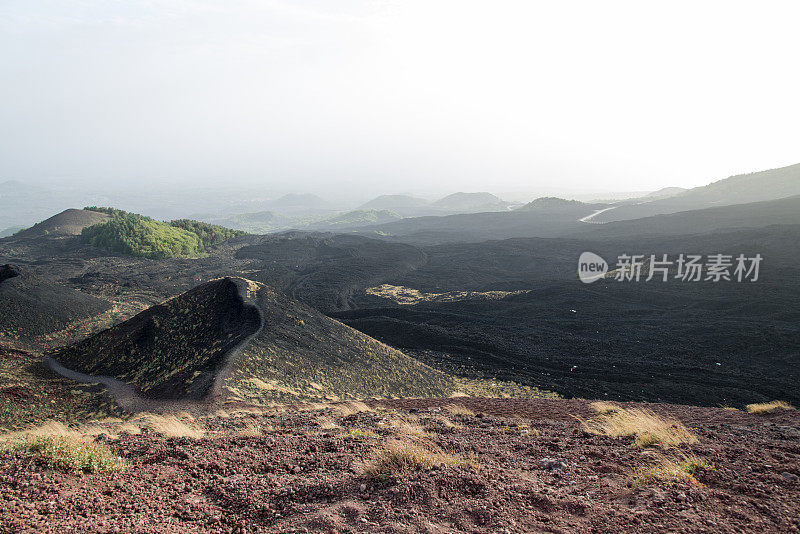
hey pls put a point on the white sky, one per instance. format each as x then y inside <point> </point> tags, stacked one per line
<point>406,95</point>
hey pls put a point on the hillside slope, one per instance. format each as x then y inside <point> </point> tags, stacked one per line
<point>242,341</point>
<point>68,222</point>
<point>32,306</point>
<point>772,184</point>
<point>785,211</point>
<point>302,354</point>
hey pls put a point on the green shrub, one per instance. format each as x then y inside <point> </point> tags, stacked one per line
<point>71,455</point>
<point>114,212</point>
<point>209,234</point>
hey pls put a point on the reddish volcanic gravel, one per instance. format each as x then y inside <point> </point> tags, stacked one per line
<point>533,469</point>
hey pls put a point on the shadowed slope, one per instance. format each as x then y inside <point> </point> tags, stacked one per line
<point>171,350</point>
<point>244,341</point>
<point>32,306</point>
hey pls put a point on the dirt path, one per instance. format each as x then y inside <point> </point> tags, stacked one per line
<point>588,218</point>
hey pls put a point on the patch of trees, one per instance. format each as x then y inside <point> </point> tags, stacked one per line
<point>138,235</point>
<point>209,234</point>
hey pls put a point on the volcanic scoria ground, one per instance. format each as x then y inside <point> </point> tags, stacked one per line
<point>526,466</point>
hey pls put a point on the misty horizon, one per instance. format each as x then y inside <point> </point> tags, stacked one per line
<point>372,98</point>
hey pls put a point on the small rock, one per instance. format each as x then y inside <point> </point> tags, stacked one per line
<point>791,477</point>
<point>552,464</point>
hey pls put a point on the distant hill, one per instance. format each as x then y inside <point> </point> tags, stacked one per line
<point>666,192</point>
<point>397,203</point>
<point>68,222</point>
<point>33,306</point>
<point>260,222</point>
<point>741,189</point>
<point>355,219</point>
<point>236,339</point>
<point>471,202</point>
<point>137,235</point>
<point>547,217</point>
<point>785,211</point>
<point>551,203</point>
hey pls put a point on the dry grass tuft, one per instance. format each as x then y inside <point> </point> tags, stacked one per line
<point>409,427</point>
<point>603,407</point>
<point>768,407</point>
<point>399,458</point>
<point>171,426</point>
<point>351,408</point>
<point>458,409</point>
<point>249,431</point>
<point>311,407</point>
<point>670,470</point>
<point>647,428</point>
<point>358,434</point>
<point>447,423</point>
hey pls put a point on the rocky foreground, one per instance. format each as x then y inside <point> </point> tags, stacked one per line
<point>503,466</point>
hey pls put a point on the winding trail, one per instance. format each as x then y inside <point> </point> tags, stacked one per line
<point>126,396</point>
<point>588,218</point>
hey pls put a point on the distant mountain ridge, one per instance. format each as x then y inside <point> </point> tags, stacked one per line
<point>550,203</point>
<point>481,201</point>
<point>784,211</point>
<point>760,186</point>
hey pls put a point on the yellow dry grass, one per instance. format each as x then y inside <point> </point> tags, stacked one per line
<point>358,434</point>
<point>250,431</point>
<point>670,470</point>
<point>647,428</point>
<point>458,409</point>
<point>398,458</point>
<point>351,408</point>
<point>408,427</point>
<point>604,407</point>
<point>171,426</point>
<point>768,407</point>
<point>447,423</point>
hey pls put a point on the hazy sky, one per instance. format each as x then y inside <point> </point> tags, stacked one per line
<point>406,95</point>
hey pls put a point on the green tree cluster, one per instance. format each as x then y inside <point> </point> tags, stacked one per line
<point>137,235</point>
<point>209,234</point>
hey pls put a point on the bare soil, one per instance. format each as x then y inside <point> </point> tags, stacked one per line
<point>533,469</point>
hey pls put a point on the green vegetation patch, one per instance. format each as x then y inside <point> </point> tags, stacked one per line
<point>70,455</point>
<point>209,234</point>
<point>137,235</point>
